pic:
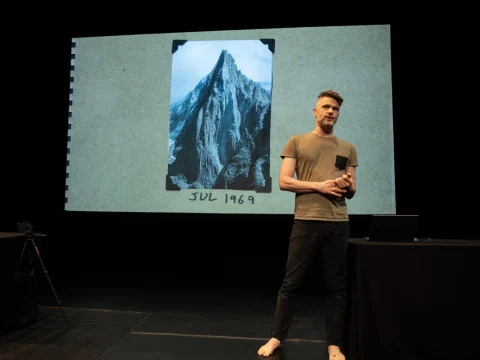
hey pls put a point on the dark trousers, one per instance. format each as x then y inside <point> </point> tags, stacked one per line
<point>307,238</point>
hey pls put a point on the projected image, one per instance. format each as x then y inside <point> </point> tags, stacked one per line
<point>220,115</point>
<point>195,122</point>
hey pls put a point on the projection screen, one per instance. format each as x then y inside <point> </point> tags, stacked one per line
<point>195,122</point>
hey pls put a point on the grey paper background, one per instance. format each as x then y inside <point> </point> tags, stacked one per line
<point>120,117</point>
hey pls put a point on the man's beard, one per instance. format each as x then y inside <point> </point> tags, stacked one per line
<point>327,126</point>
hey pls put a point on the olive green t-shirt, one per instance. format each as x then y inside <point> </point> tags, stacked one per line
<point>318,159</point>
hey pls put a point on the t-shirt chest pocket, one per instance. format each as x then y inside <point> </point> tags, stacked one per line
<point>341,162</point>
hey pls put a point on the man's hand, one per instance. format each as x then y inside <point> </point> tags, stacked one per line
<point>329,187</point>
<point>344,181</point>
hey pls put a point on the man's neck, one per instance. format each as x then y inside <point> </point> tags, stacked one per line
<point>321,133</point>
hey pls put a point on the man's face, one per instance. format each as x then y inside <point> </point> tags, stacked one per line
<point>326,111</point>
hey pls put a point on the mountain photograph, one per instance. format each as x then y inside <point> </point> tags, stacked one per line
<point>220,123</point>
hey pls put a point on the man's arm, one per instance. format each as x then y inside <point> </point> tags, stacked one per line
<point>288,183</point>
<point>286,180</point>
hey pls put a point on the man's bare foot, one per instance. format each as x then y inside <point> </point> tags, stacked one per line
<point>334,353</point>
<point>269,347</point>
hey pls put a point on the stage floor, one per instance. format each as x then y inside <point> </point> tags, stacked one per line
<point>120,322</point>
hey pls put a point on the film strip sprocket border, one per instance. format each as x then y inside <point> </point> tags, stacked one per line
<point>70,102</point>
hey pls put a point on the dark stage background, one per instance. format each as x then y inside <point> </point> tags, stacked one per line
<point>202,250</point>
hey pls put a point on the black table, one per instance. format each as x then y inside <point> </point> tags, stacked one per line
<point>417,300</point>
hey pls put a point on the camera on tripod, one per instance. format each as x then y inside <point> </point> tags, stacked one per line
<point>29,248</point>
<point>25,227</point>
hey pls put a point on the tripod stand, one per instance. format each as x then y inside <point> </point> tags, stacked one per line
<point>28,247</point>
